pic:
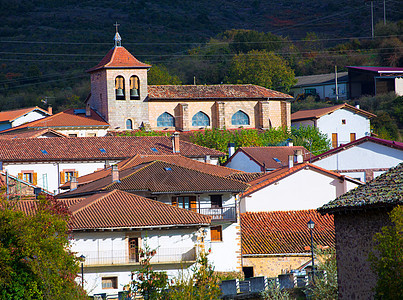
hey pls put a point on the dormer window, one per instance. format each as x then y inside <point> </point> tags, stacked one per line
<point>134,88</point>
<point>120,88</point>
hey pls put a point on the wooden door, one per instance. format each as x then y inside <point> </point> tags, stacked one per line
<point>134,249</point>
<point>334,140</point>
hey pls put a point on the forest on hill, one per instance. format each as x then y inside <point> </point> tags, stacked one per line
<point>46,46</point>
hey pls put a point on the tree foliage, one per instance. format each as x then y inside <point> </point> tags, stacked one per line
<point>387,258</point>
<point>160,75</point>
<point>35,260</point>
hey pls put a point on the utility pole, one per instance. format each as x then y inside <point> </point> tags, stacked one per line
<point>384,12</point>
<point>335,79</point>
<point>372,18</point>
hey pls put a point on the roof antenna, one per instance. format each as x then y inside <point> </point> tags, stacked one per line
<point>117,38</point>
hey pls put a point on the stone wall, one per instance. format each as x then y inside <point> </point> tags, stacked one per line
<point>354,241</point>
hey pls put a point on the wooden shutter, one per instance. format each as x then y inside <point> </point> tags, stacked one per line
<point>334,140</point>
<point>34,178</point>
<point>352,137</point>
<point>216,233</point>
<point>76,174</point>
<point>174,201</point>
<point>62,179</point>
<point>193,204</point>
<point>20,176</point>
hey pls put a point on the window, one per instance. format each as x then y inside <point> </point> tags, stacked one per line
<point>109,282</point>
<point>166,120</point>
<point>28,176</point>
<point>352,137</point>
<point>134,249</point>
<point>334,140</point>
<point>120,88</point>
<point>134,88</point>
<point>129,124</point>
<point>240,118</point>
<point>343,121</point>
<point>248,272</point>
<point>310,91</point>
<point>216,233</point>
<point>186,202</point>
<point>200,119</point>
<point>216,201</point>
<point>91,134</point>
<point>66,175</point>
<point>72,134</point>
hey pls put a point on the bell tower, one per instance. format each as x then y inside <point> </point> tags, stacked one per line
<point>119,88</point>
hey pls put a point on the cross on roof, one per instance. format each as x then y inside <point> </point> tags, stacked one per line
<point>116,25</point>
<point>118,39</point>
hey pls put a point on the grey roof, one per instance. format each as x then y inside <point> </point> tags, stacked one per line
<point>321,79</point>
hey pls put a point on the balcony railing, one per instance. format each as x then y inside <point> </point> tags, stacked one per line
<point>122,257</point>
<point>220,213</point>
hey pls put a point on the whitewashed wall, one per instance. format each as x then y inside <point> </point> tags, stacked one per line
<point>305,189</point>
<point>240,161</point>
<point>29,117</point>
<point>399,86</point>
<point>83,132</point>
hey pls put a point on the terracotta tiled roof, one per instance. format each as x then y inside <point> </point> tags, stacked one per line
<point>283,172</point>
<point>392,144</point>
<point>68,118</point>
<point>317,113</point>
<point>11,115</point>
<point>160,178</point>
<point>282,232</point>
<point>264,155</point>
<point>30,133</point>
<point>178,160</point>
<point>84,148</point>
<point>119,57</point>
<point>384,190</point>
<point>222,91</point>
<point>245,176</point>
<point>118,209</point>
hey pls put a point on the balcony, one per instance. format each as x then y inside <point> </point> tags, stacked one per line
<point>220,213</point>
<point>122,257</point>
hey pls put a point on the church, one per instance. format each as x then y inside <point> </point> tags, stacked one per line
<point>121,95</point>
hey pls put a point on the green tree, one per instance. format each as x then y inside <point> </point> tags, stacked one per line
<point>159,75</point>
<point>261,68</point>
<point>35,260</point>
<point>387,258</point>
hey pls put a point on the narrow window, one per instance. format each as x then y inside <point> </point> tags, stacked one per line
<point>134,249</point>
<point>200,120</point>
<point>134,88</point>
<point>165,120</point>
<point>352,137</point>
<point>216,233</point>
<point>186,202</point>
<point>109,282</point>
<point>334,140</point>
<point>240,118</point>
<point>129,124</point>
<point>216,201</point>
<point>120,88</point>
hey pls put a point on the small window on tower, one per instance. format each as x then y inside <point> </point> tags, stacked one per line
<point>134,88</point>
<point>120,88</point>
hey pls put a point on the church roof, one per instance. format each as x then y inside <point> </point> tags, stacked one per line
<point>118,57</point>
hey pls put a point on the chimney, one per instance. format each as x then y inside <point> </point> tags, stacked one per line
<point>357,106</point>
<point>115,173</point>
<point>290,161</point>
<point>298,155</point>
<point>290,143</point>
<point>231,149</point>
<point>207,159</point>
<point>87,110</point>
<point>175,142</point>
<point>50,110</point>
<point>73,183</point>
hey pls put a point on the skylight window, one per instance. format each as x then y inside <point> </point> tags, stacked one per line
<point>79,111</point>
<point>154,149</point>
<point>168,169</point>
<point>102,150</point>
<point>277,160</point>
<point>44,152</point>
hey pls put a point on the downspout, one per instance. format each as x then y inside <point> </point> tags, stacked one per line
<point>58,177</point>
<point>238,209</point>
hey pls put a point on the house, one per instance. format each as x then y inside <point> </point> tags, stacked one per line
<point>374,81</point>
<point>109,229</point>
<point>30,133</point>
<point>363,159</point>
<point>276,242</point>
<point>14,118</point>
<point>55,160</point>
<point>322,86</point>
<point>262,159</point>
<point>358,215</point>
<point>121,95</point>
<point>186,188</point>
<point>300,187</point>
<point>13,186</point>
<point>71,122</point>
<point>341,123</point>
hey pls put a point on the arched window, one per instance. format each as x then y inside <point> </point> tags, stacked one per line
<point>166,120</point>
<point>129,124</point>
<point>134,88</point>
<point>240,118</point>
<point>200,119</point>
<point>120,88</point>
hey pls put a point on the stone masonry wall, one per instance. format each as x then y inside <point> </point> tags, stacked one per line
<point>354,241</point>
<point>271,266</point>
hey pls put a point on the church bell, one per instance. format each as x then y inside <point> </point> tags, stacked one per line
<point>134,92</point>
<point>119,92</point>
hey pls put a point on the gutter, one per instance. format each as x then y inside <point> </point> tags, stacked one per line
<point>143,227</point>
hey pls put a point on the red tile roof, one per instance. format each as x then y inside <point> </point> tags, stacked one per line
<point>178,160</point>
<point>11,115</point>
<point>30,133</point>
<point>283,172</point>
<point>282,232</point>
<point>392,144</point>
<point>246,176</point>
<point>317,113</point>
<point>159,177</point>
<point>89,148</point>
<point>265,155</point>
<point>222,91</point>
<point>118,57</point>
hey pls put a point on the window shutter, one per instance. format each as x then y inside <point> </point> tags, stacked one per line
<point>62,180</point>
<point>216,233</point>
<point>193,204</point>
<point>34,178</point>
<point>174,201</point>
<point>76,174</point>
<point>20,176</point>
